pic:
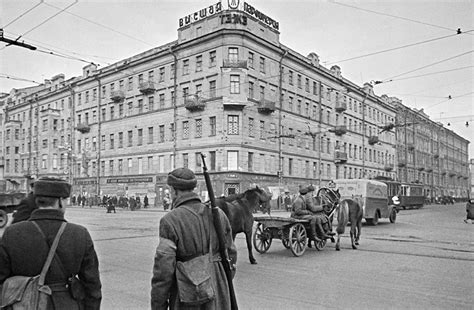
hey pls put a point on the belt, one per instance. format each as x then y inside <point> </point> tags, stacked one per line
<point>214,258</point>
<point>59,287</point>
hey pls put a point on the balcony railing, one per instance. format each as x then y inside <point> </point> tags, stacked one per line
<point>266,106</point>
<point>341,106</point>
<point>232,63</point>
<point>388,168</point>
<point>117,95</point>
<point>340,157</point>
<point>420,168</point>
<point>340,130</point>
<point>429,169</point>
<point>452,174</point>
<point>402,163</point>
<point>194,103</point>
<point>83,128</point>
<point>147,87</point>
<point>373,140</point>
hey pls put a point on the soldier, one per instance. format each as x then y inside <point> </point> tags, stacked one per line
<point>145,202</point>
<point>25,208</point>
<point>187,232</point>
<point>25,246</point>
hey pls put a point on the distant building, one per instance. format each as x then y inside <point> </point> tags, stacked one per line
<point>261,113</point>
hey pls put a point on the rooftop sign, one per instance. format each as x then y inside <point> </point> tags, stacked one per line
<point>234,5</point>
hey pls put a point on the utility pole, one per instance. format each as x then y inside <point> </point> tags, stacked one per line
<point>15,42</point>
<point>280,109</point>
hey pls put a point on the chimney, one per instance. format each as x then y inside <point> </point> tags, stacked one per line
<point>313,59</point>
<point>336,71</point>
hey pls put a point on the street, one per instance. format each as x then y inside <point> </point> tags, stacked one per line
<point>423,261</point>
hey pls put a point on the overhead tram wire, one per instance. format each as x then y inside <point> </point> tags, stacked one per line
<point>424,67</point>
<point>432,73</point>
<point>101,25</point>
<point>450,98</point>
<point>7,76</point>
<point>51,17</point>
<point>394,16</point>
<point>393,49</point>
<point>23,14</point>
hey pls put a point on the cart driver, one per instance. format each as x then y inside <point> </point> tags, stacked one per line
<point>304,208</point>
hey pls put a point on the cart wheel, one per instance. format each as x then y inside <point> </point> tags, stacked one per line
<point>3,218</point>
<point>373,221</point>
<point>262,239</point>
<point>285,238</point>
<point>393,215</point>
<point>298,239</point>
<point>320,244</point>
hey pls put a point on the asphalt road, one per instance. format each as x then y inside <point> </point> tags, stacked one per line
<point>423,261</point>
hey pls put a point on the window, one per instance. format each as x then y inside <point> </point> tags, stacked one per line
<point>232,160</point>
<point>262,92</point>
<point>185,129</point>
<point>235,84</point>
<point>130,108</point>
<point>140,78</point>
<point>251,89</point>
<point>151,103</point>
<point>212,59</point>
<point>172,71</point>
<point>112,113</point>
<point>140,136</point>
<point>290,77</point>
<point>212,89</point>
<point>199,63</point>
<point>212,125</point>
<point>299,81</point>
<point>251,127</point>
<point>130,138</point>
<point>232,124</point>
<point>186,67</point>
<point>150,135</point>
<point>315,88</point>
<point>212,155</point>
<point>198,131</point>
<point>140,106</point>
<point>250,161</point>
<point>250,60</point>
<point>306,85</point>
<point>262,130</point>
<point>290,104</point>
<point>161,133</point>
<point>151,75</point>
<point>162,101</point>
<point>120,139</point>
<point>233,54</point>
<point>161,77</point>
<point>262,65</point>
<point>102,142</point>
<point>150,164</point>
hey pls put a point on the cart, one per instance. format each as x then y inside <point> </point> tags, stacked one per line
<point>293,233</point>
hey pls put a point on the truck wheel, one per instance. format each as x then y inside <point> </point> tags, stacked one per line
<point>393,215</point>
<point>3,218</point>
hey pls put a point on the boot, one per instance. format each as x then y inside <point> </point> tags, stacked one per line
<point>313,236</point>
<point>321,233</point>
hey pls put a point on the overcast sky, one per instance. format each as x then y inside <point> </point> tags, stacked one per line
<point>427,61</point>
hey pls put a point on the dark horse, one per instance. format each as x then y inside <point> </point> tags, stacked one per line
<point>239,210</point>
<point>349,210</point>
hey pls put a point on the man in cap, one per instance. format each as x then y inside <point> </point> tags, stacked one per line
<point>187,232</point>
<point>25,207</point>
<point>304,208</point>
<point>25,246</point>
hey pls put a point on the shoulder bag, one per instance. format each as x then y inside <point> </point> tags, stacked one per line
<point>193,276</point>
<point>22,292</point>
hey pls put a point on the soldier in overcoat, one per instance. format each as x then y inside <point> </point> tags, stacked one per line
<point>182,239</point>
<point>23,249</point>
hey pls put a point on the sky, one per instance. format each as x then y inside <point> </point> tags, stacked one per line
<point>412,46</point>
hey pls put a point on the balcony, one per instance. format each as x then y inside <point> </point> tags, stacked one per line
<point>340,130</point>
<point>410,146</point>
<point>444,172</point>
<point>402,163</point>
<point>373,140</point>
<point>420,168</point>
<point>194,103</point>
<point>147,87</point>
<point>452,173</point>
<point>429,169</point>
<point>435,154</point>
<point>83,128</point>
<point>388,168</point>
<point>117,95</point>
<point>340,157</point>
<point>233,63</point>
<point>340,106</point>
<point>265,106</point>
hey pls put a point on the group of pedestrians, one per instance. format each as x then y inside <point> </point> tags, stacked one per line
<point>186,233</point>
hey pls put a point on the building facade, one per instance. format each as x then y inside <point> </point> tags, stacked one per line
<point>227,88</point>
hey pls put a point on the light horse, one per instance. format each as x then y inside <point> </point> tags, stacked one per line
<point>239,209</point>
<point>349,210</point>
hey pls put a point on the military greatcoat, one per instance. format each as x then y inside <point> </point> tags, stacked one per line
<point>23,251</point>
<point>181,239</point>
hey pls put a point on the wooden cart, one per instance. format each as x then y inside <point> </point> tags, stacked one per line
<point>292,232</point>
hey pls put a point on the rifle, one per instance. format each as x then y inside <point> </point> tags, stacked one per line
<point>220,235</point>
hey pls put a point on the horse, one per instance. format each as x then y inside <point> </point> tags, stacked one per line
<point>349,210</point>
<point>239,210</point>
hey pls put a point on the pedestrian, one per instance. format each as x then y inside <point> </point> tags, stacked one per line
<point>25,246</point>
<point>187,232</point>
<point>73,200</point>
<point>166,201</point>
<point>25,207</point>
<point>145,201</point>
<point>133,203</point>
